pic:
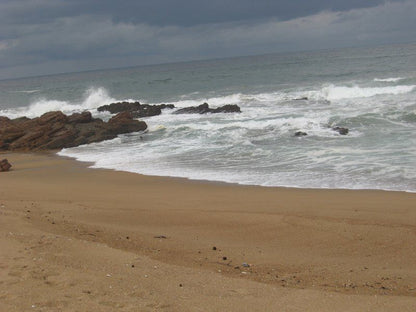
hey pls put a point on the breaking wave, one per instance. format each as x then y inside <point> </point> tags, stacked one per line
<point>333,92</point>
<point>25,91</point>
<point>92,98</point>
<point>393,79</point>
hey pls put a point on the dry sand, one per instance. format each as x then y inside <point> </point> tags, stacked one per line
<point>79,239</point>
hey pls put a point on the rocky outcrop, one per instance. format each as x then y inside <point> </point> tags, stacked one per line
<point>5,165</point>
<point>83,117</point>
<point>55,130</point>
<point>138,110</point>
<point>119,107</point>
<point>146,110</point>
<point>204,108</point>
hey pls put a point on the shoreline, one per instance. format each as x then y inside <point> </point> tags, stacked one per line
<point>152,240</point>
<point>219,182</point>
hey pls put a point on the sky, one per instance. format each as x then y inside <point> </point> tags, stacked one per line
<point>39,37</point>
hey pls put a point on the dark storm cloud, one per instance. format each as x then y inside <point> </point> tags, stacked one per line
<point>174,12</point>
<point>191,12</point>
<point>46,36</point>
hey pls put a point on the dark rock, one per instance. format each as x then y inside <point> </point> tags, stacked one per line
<point>20,120</point>
<point>5,165</point>
<point>163,106</point>
<point>52,118</point>
<point>5,121</point>
<point>10,133</point>
<point>301,99</point>
<point>55,130</point>
<point>340,130</point>
<point>119,107</point>
<point>201,109</point>
<point>147,111</point>
<point>120,117</point>
<point>204,108</point>
<point>300,133</point>
<point>227,109</point>
<point>214,248</point>
<point>160,236</point>
<point>29,139</point>
<point>124,123</point>
<point>63,138</point>
<point>138,110</point>
<point>83,117</point>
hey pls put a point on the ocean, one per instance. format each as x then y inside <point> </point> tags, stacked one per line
<point>370,91</point>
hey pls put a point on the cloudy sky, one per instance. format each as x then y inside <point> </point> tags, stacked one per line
<point>52,36</point>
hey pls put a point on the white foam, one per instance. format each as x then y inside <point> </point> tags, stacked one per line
<point>326,93</point>
<point>393,79</point>
<point>25,91</point>
<point>111,159</point>
<point>333,92</point>
<point>213,101</point>
<point>251,148</point>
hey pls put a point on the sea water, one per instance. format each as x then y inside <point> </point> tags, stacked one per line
<point>370,91</point>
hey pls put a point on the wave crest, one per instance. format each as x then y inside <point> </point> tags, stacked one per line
<point>333,92</point>
<point>393,79</point>
<point>93,97</point>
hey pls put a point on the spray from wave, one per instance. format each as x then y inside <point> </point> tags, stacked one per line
<point>92,98</point>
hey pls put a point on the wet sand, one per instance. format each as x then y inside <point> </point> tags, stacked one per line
<point>79,239</point>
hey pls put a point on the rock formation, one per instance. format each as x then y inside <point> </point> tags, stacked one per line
<point>204,108</point>
<point>5,165</point>
<point>138,110</point>
<point>55,130</point>
<point>146,110</point>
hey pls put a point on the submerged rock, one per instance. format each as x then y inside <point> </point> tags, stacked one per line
<point>341,130</point>
<point>204,108</point>
<point>300,134</point>
<point>227,109</point>
<point>55,130</point>
<point>5,165</point>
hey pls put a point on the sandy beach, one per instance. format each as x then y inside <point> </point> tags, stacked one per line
<point>80,239</point>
